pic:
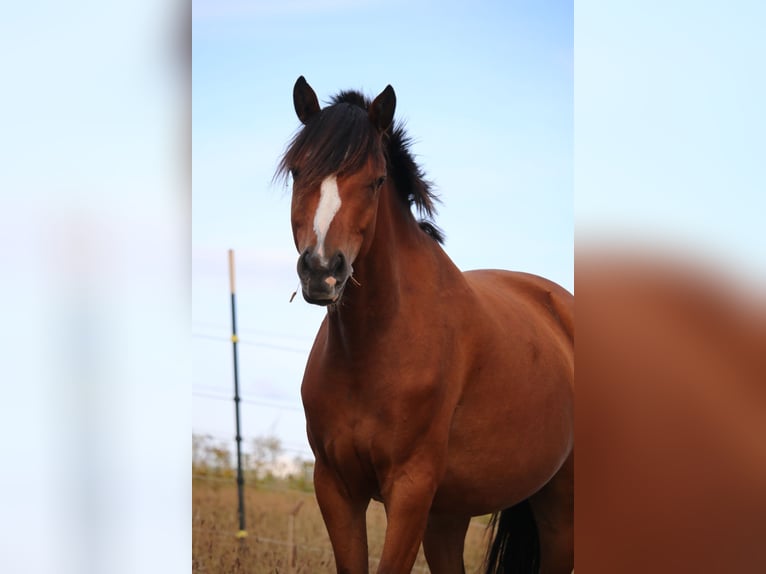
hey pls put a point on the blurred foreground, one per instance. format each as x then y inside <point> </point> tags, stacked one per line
<point>671,416</point>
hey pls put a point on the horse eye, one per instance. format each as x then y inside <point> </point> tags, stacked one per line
<point>379,182</point>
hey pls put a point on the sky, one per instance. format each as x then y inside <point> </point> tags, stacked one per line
<point>486,92</point>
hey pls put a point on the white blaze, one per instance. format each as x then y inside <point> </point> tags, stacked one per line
<point>329,204</point>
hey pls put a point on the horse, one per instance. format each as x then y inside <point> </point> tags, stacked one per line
<point>442,394</point>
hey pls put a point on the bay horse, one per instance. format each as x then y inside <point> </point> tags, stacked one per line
<point>442,394</point>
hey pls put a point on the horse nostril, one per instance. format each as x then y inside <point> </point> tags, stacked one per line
<point>304,264</point>
<point>337,264</point>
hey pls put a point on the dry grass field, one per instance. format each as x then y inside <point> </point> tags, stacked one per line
<point>216,550</point>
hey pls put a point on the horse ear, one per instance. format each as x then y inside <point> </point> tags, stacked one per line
<point>382,109</point>
<point>304,100</point>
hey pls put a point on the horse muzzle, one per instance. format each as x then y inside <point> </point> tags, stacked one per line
<point>323,280</point>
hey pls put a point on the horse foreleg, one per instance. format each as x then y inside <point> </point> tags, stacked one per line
<point>443,543</point>
<point>408,501</point>
<point>344,516</point>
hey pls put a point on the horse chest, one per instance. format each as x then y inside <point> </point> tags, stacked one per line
<point>348,442</point>
<point>345,425</point>
<point>358,433</point>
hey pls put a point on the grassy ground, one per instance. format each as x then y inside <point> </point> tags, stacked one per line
<point>216,550</point>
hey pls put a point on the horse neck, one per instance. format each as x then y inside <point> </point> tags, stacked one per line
<point>401,265</point>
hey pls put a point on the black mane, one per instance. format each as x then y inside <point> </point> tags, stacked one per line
<point>340,138</point>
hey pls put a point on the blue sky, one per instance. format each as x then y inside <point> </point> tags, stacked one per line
<point>486,91</point>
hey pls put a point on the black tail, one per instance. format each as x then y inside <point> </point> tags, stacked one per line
<point>516,546</point>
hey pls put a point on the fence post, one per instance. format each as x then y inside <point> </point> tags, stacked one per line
<point>292,547</point>
<point>242,533</point>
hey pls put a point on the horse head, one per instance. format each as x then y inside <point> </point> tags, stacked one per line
<point>338,166</point>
